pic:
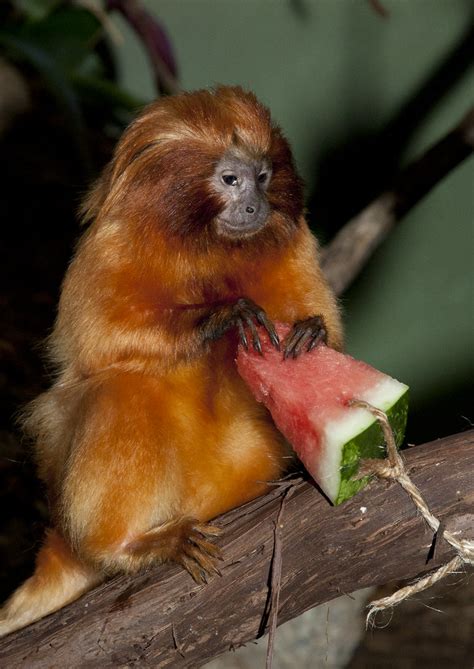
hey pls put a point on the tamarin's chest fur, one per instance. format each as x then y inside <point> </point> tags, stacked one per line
<point>133,324</point>
<point>127,303</point>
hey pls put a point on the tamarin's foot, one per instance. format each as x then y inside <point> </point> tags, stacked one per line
<point>244,313</point>
<point>197,554</point>
<point>310,331</point>
<point>186,542</point>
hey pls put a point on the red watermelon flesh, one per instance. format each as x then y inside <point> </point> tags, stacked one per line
<point>308,399</point>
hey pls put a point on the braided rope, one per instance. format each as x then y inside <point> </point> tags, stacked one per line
<point>393,468</point>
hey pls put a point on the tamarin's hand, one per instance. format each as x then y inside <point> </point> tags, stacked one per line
<point>309,332</point>
<point>243,313</point>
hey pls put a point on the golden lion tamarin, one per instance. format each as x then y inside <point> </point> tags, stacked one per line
<point>197,235</point>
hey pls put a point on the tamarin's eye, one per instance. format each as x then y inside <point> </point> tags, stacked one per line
<point>229,179</point>
<point>262,177</point>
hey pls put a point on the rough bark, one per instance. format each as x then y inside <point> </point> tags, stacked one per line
<point>163,619</point>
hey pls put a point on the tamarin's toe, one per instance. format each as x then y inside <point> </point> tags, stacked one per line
<point>206,529</point>
<point>198,555</point>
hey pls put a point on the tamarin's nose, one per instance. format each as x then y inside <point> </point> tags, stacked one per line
<point>250,210</point>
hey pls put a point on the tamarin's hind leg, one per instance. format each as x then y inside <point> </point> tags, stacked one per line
<point>59,578</point>
<point>186,541</point>
<point>123,499</point>
<point>121,504</point>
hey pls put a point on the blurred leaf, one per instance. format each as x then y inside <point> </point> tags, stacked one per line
<point>107,93</point>
<point>155,41</point>
<point>59,87</point>
<point>163,44</point>
<point>35,10</point>
<point>90,66</point>
<point>68,35</point>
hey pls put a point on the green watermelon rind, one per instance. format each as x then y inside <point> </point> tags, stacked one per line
<point>369,443</point>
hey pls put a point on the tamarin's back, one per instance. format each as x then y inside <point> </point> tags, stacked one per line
<point>197,238</point>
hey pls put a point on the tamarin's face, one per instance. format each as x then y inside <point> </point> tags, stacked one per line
<point>241,182</point>
<point>207,167</point>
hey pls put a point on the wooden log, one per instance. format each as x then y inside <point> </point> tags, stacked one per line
<point>163,619</point>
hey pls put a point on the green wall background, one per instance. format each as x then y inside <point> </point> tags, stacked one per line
<point>331,70</point>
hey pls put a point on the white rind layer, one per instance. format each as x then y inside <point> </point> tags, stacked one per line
<point>352,422</point>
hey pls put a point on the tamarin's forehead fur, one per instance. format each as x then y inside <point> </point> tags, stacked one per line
<point>170,151</point>
<point>217,118</point>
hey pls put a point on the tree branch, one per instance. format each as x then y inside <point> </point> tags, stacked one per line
<point>345,256</point>
<point>162,618</point>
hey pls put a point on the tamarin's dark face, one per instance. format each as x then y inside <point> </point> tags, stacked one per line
<point>241,183</point>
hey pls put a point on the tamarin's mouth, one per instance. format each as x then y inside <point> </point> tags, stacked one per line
<point>235,230</point>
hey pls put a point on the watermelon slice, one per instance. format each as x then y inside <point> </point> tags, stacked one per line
<point>308,399</point>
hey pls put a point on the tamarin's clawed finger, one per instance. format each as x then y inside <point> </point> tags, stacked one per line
<point>196,235</point>
<point>241,314</point>
<point>310,331</point>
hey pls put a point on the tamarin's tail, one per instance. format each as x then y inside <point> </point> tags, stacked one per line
<point>59,578</point>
